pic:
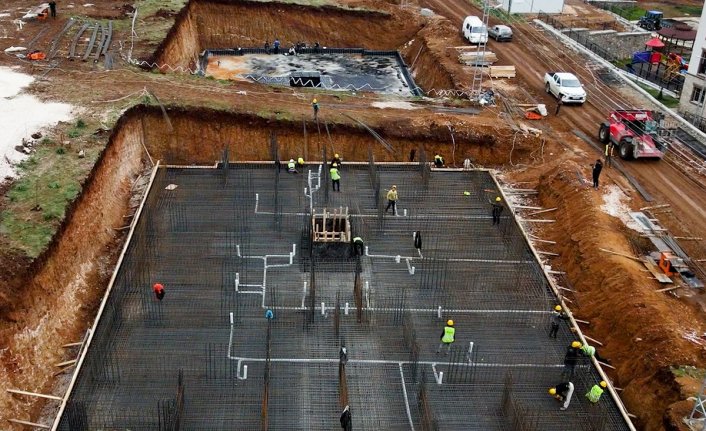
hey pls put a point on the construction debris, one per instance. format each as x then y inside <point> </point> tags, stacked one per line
<point>502,71</point>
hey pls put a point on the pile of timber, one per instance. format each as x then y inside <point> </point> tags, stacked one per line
<point>502,71</point>
<point>473,58</point>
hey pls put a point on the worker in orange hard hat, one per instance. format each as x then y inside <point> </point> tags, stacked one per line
<point>447,336</point>
<point>158,290</point>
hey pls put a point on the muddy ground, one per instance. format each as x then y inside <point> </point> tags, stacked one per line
<point>52,300</point>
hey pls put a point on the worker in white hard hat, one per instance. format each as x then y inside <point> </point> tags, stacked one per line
<point>292,166</point>
<point>556,317</point>
<point>447,337</point>
<point>497,209</point>
<point>562,393</point>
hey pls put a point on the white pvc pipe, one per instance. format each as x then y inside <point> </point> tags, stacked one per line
<point>237,281</point>
<point>406,401</point>
<point>257,201</point>
<point>438,313</point>
<point>304,295</point>
<point>323,309</point>
<point>346,309</point>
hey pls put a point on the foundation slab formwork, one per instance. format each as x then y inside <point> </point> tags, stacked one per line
<point>229,244</point>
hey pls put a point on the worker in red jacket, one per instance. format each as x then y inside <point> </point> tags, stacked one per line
<point>158,290</point>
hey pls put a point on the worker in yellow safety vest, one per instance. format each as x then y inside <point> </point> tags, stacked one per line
<point>447,336</point>
<point>292,167</point>
<point>335,178</point>
<point>596,391</point>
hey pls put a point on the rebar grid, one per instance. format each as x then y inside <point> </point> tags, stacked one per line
<point>228,251</point>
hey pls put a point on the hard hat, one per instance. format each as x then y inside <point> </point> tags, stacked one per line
<point>335,165</point>
<point>335,155</point>
<point>557,308</point>
<point>300,160</point>
<point>552,391</point>
<point>291,160</point>
<point>314,101</point>
<point>158,286</point>
<point>466,193</point>
<point>394,187</point>
<point>450,322</point>
<point>576,344</point>
<point>603,384</point>
<point>497,199</point>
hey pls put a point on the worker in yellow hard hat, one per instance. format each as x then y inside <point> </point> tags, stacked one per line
<point>336,160</point>
<point>315,105</point>
<point>570,360</point>
<point>497,209</point>
<point>562,393</point>
<point>300,162</point>
<point>555,320</point>
<point>447,337</point>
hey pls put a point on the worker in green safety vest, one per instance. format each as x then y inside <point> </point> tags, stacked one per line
<point>358,246</point>
<point>335,178</point>
<point>292,167</point>
<point>596,391</point>
<point>447,337</point>
<point>589,351</point>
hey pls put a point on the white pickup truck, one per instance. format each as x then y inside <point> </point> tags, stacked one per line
<point>565,86</point>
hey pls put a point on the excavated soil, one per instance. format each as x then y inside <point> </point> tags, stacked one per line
<point>642,331</point>
<point>229,24</point>
<point>59,299</point>
<point>200,136</point>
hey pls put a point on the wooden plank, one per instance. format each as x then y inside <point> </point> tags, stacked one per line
<point>651,266</point>
<point>65,363</point>
<point>31,424</point>
<point>72,344</point>
<point>621,254</point>
<point>33,394</point>
<point>667,289</point>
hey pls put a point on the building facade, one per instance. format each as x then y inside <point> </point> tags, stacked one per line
<point>691,102</point>
<point>533,6</point>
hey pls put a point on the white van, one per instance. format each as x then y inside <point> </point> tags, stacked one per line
<point>474,31</point>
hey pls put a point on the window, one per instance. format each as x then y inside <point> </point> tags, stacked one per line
<point>702,63</point>
<point>697,95</point>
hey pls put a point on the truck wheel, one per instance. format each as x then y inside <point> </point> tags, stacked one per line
<point>603,134</point>
<point>626,152</point>
<point>546,88</point>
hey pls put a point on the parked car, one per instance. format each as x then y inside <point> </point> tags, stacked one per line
<point>565,87</point>
<point>500,33</point>
<point>474,31</point>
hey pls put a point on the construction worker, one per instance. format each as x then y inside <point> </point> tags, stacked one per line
<point>438,161</point>
<point>275,45</point>
<point>158,290</point>
<point>556,317</point>
<point>269,315</point>
<point>335,178</point>
<point>447,336</point>
<point>597,168</point>
<point>392,200</point>
<point>358,246</point>
<point>594,395</point>
<point>570,359</point>
<point>346,421</point>
<point>336,161</point>
<point>558,107</point>
<point>609,154</point>
<point>497,209</point>
<point>300,162</point>
<point>315,105</point>
<point>267,47</point>
<point>590,351</point>
<point>52,8</point>
<point>563,392</point>
<point>292,167</point>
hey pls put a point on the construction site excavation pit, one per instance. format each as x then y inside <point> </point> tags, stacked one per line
<point>252,329</point>
<point>324,68</point>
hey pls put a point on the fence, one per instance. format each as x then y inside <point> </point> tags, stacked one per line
<point>573,30</point>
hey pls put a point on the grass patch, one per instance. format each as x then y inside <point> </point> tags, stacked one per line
<point>37,201</point>
<point>688,371</point>
<point>668,101</point>
<point>689,10</point>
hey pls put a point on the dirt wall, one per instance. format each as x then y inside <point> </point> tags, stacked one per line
<point>201,135</point>
<point>66,283</point>
<point>229,23</point>
<point>643,331</point>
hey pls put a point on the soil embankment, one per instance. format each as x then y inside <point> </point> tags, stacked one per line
<point>200,136</point>
<point>204,24</point>
<point>643,332</point>
<point>64,285</point>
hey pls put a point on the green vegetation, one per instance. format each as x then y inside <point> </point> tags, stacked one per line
<point>36,203</point>
<point>668,101</point>
<point>689,10</point>
<point>688,371</point>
